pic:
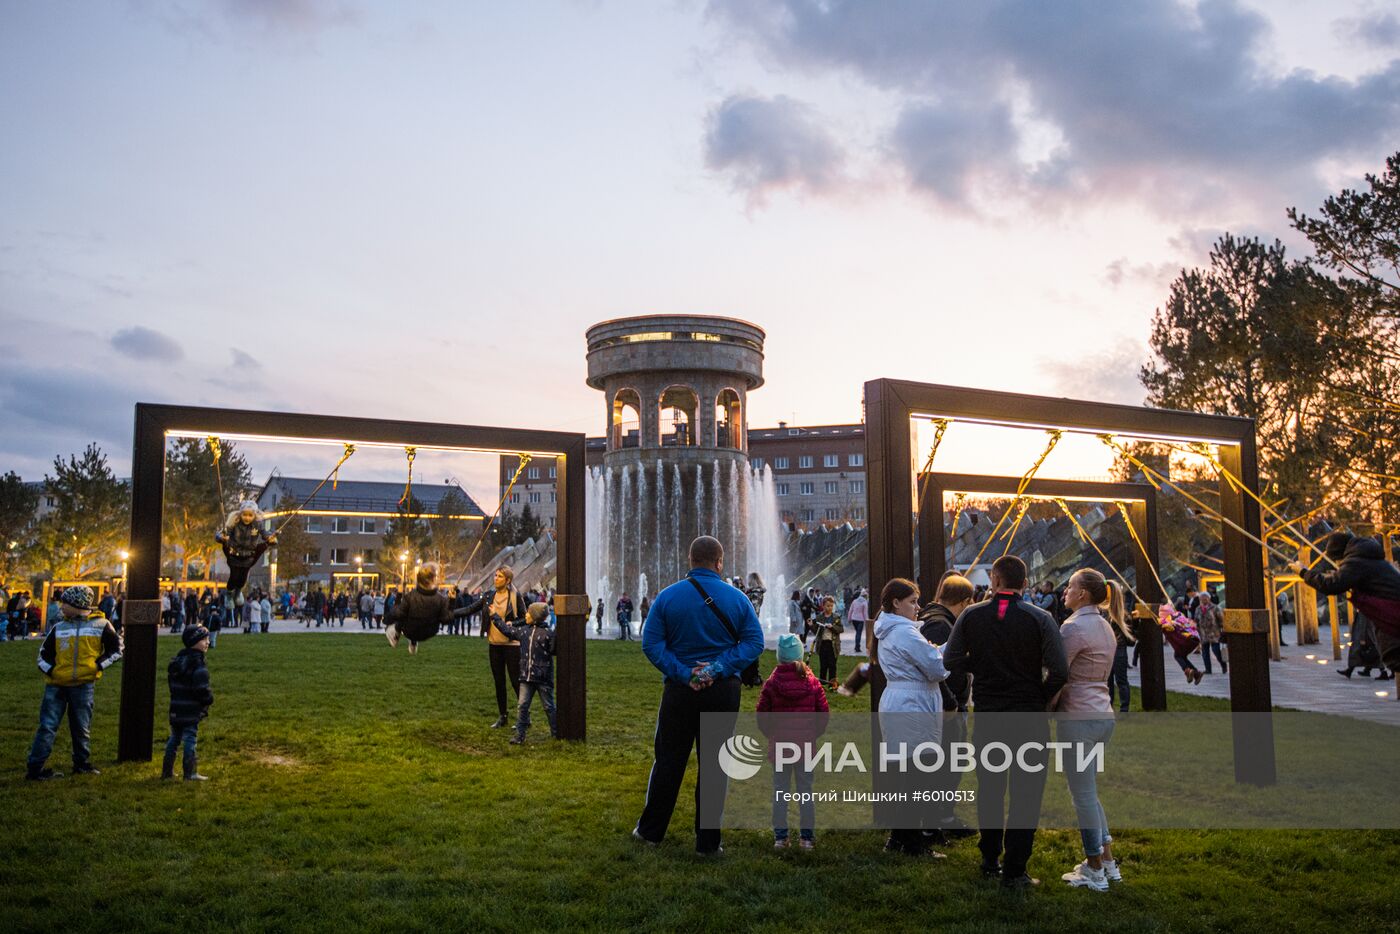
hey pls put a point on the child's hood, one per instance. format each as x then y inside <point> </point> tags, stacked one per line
<point>791,683</point>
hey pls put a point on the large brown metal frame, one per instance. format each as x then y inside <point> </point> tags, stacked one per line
<point>1141,500</point>
<point>141,615</point>
<point>892,405</point>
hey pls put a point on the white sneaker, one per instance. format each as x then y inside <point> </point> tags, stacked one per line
<point>391,633</point>
<point>1085,876</point>
<point>1110,870</point>
<point>413,648</point>
<point>845,691</point>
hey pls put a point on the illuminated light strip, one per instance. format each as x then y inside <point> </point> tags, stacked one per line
<point>1034,426</point>
<point>365,515</point>
<point>1047,497</point>
<point>388,446</point>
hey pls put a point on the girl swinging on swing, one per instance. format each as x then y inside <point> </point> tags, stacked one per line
<point>244,541</point>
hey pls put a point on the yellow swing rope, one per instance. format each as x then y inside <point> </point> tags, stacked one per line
<point>218,452</point>
<point>406,500</point>
<point>1083,534</point>
<point>1151,473</point>
<point>1011,538</point>
<point>335,471</point>
<point>942,424</point>
<point>1137,540</point>
<point>1298,540</point>
<point>1026,478</point>
<point>524,459</point>
<point>958,500</point>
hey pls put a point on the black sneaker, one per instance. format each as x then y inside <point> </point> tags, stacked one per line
<point>991,871</point>
<point>517,739</point>
<point>500,722</point>
<point>1021,882</point>
<point>637,835</point>
<point>42,775</point>
<point>86,768</point>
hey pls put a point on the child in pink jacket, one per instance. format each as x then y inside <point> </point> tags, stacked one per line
<point>792,708</point>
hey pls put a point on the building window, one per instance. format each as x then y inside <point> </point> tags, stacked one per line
<point>311,557</point>
<point>808,488</point>
<point>858,486</point>
<point>340,525</point>
<point>534,497</point>
<point>48,501</point>
<point>855,460</point>
<point>533,474</point>
<point>780,463</point>
<point>313,524</point>
<point>804,461</point>
<point>756,463</point>
<point>794,431</point>
<point>858,514</point>
<point>553,496</point>
<point>831,460</point>
<point>783,489</point>
<point>833,514</point>
<point>831,486</point>
<point>809,515</point>
<point>367,526</point>
<point>515,497</point>
<point>370,556</point>
<point>554,473</point>
<point>340,556</point>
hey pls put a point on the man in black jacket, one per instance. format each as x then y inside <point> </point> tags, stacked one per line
<point>1004,643</point>
<point>1374,584</point>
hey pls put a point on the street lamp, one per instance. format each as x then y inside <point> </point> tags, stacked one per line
<point>125,556</point>
<point>403,569</point>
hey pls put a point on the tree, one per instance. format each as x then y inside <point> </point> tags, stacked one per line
<point>1258,335</point>
<point>90,520</point>
<point>451,540</point>
<point>406,534</point>
<point>193,509</point>
<point>293,544</point>
<point>17,504</point>
<point>1358,234</point>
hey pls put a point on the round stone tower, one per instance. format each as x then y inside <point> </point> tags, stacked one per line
<point>675,401</point>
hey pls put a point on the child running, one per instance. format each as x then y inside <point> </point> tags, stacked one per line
<point>1181,634</point>
<point>793,692</point>
<point>536,667</point>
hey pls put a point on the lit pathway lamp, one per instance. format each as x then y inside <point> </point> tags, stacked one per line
<point>403,569</point>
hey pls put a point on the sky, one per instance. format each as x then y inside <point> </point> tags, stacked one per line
<point>415,210</point>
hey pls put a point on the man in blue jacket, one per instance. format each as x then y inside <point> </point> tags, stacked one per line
<point>700,633</point>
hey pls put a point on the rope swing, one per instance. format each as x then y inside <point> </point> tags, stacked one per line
<point>1083,534</point>
<point>1137,540</point>
<point>218,452</point>
<point>524,459</point>
<point>406,500</point>
<point>1156,478</point>
<point>1055,435</point>
<point>942,424</point>
<point>334,472</point>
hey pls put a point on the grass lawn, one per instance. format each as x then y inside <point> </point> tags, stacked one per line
<point>355,787</point>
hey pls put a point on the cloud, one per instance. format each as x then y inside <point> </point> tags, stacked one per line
<point>141,343</point>
<point>217,21</point>
<point>1163,101</point>
<point>306,16</point>
<point>769,144</point>
<point>1377,31</point>
<point>1104,372</point>
<point>244,361</point>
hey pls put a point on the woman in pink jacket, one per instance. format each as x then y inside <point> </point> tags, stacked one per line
<point>1086,716</point>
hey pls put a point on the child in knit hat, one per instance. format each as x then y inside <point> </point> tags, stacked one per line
<point>792,708</point>
<point>78,648</point>
<point>190,697</point>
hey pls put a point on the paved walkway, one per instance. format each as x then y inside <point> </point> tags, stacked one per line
<point>1306,679</point>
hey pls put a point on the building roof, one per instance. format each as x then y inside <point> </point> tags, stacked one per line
<point>805,431</point>
<point>357,495</point>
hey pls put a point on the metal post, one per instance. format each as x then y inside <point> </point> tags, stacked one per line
<point>571,600</point>
<point>1152,689</point>
<point>141,610</point>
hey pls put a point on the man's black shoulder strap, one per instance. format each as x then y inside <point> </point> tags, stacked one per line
<point>719,614</point>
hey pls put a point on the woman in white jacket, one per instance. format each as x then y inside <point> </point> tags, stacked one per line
<point>911,706</point>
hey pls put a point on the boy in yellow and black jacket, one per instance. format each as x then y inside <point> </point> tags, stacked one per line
<point>77,649</point>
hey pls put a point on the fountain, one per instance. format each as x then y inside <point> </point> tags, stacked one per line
<point>676,464</point>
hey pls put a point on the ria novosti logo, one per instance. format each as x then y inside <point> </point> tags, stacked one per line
<point>741,757</point>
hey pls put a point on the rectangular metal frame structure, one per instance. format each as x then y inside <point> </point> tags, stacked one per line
<point>1141,500</point>
<point>153,422</point>
<point>892,405</point>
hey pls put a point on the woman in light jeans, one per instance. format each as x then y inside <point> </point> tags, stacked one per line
<point>1086,716</point>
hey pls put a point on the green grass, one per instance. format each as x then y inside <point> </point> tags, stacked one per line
<point>354,787</point>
